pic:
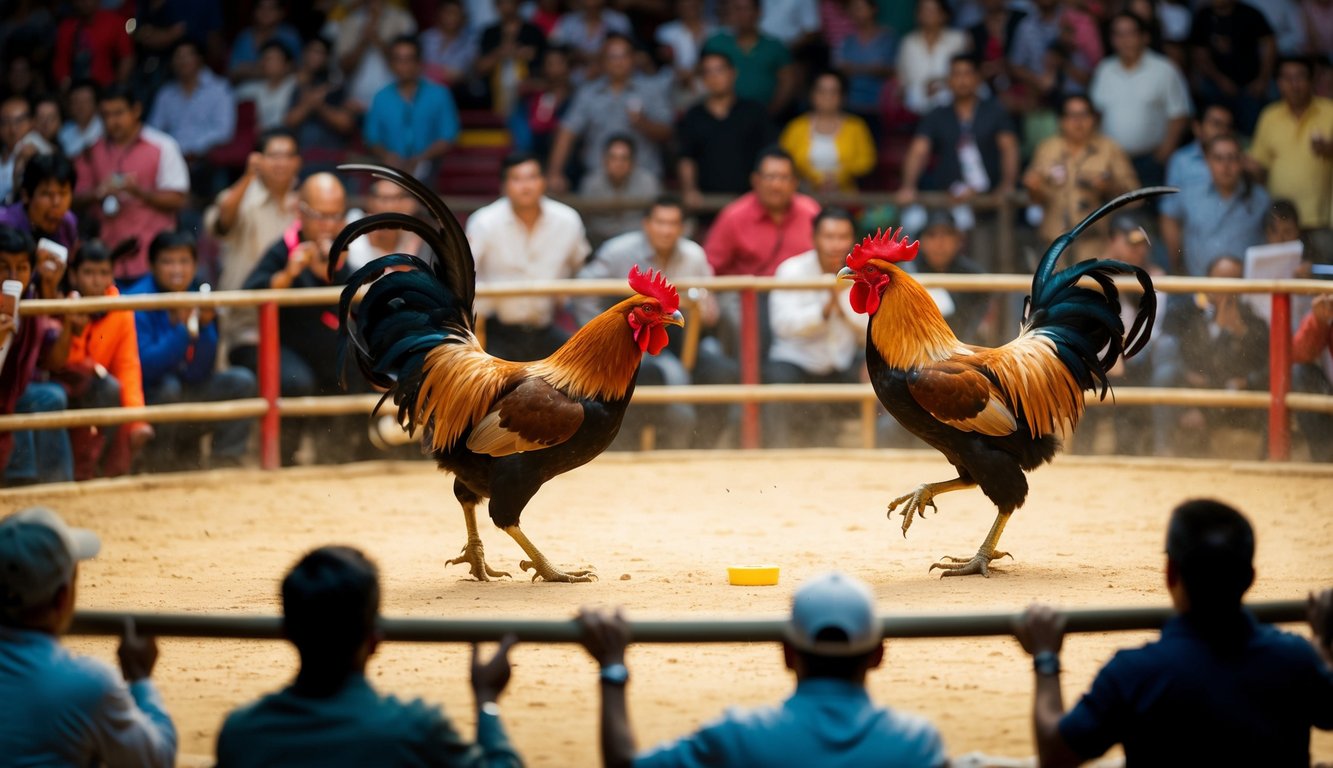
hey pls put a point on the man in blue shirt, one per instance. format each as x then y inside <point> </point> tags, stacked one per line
<point>1221,215</point>
<point>412,122</point>
<point>1187,166</point>
<point>178,350</point>
<point>833,640</point>
<point>1217,688</point>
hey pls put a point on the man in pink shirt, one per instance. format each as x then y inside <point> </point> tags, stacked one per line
<point>133,180</point>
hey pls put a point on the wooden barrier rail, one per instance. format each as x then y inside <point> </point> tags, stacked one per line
<point>642,631</point>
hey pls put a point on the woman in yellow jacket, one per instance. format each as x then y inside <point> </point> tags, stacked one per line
<point>832,148</point>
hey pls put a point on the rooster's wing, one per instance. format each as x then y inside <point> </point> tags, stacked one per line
<point>959,393</point>
<point>531,416</point>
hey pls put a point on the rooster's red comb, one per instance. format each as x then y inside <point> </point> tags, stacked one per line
<point>654,284</point>
<point>884,246</point>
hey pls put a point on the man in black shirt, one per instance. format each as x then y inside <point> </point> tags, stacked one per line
<point>1235,55</point>
<point>720,137</point>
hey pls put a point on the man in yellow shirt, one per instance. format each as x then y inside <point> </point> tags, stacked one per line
<point>1293,145</point>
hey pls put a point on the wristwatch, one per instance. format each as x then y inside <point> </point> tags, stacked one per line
<point>1046,663</point>
<point>615,674</point>
<point>490,708</point>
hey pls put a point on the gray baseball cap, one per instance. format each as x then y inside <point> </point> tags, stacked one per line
<point>38,552</point>
<point>837,602</point>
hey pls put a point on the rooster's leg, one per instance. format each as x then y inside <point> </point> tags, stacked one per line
<point>541,567</point>
<point>924,496</point>
<point>472,553</point>
<point>980,562</point>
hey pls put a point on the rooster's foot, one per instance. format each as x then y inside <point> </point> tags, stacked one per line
<point>916,503</point>
<point>969,566</point>
<point>547,572</point>
<point>473,555</point>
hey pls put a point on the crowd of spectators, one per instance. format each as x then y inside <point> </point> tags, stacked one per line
<point>192,118</point>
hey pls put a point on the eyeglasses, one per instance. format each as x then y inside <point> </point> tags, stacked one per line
<point>311,213</point>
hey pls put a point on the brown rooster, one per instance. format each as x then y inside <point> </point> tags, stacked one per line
<point>994,413</point>
<point>502,428</point>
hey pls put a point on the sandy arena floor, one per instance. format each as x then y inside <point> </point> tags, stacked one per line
<point>661,529</point>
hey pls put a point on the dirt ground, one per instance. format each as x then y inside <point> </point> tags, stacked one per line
<point>661,529</point>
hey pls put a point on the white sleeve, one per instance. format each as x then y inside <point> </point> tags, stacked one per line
<point>172,173</point>
<point>809,16</point>
<point>132,729</point>
<point>1177,94</point>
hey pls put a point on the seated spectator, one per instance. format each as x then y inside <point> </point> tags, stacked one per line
<point>197,109</point>
<point>942,254</point>
<point>83,126</point>
<point>794,23</point>
<point>619,102</point>
<point>585,32</point>
<point>545,104</point>
<point>449,49</point>
<point>764,69</point>
<point>47,119</point>
<point>318,113</point>
<point>660,244</point>
<point>92,43</point>
<point>681,40</point>
<point>618,178</point>
<point>272,90</point>
<point>384,197</point>
<point>43,211</point>
<point>720,137</point>
<point>817,338</point>
<point>833,641</point>
<point>57,708</point>
<point>1073,173</point>
<point>267,25</point>
<point>1312,353</point>
<point>866,58</point>
<point>832,148</point>
<point>993,44</point>
<point>178,352</point>
<point>508,52</point>
<point>103,369</point>
<point>32,456</point>
<point>330,714</point>
<point>925,55</point>
<point>412,121</point>
<point>361,48</point>
<point>1225,215</point>
<point>1187,166</point>
<point>1234,56</point>
<point>1217,688</point>
<point>18,143</point>
<point>765,226</point>
<point>524,235</point>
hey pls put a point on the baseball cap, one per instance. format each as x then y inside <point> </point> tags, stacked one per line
<point>834,601</point>
<point>940,218</point>
<point>1130,226</point>
<point>38,552</point>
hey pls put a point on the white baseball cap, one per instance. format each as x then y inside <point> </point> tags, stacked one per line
<point>834,601</point>
<point>38,552</point>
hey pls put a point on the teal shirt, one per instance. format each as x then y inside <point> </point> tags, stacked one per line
<point>756,69</point>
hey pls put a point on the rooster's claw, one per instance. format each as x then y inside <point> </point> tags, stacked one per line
<point>546,572</point>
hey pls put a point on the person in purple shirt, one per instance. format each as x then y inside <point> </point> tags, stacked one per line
<point>46,195</point>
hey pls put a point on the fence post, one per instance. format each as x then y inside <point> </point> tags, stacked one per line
<point>270,386</point>
<point>1279,378</point>
<point>749,365</point>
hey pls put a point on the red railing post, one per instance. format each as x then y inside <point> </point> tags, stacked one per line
<point>749,366</point>
<point>270,386</point>
<point>1279,378</point>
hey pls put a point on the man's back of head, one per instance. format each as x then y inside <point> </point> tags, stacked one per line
<point>330,601</point>
<point>1210,548</point>
<point>833,630</point>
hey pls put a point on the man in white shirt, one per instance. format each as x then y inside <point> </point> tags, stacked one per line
<point>817,338</point>
<point>57,708</point>
<point>523,237</point>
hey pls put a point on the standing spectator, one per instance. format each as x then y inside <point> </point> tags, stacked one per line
<point>586,30</point>
<point>247,218</point>
<point>794,23</point>
<point>1293,145</point>
<point>32,456</point>
<point>681,40</point>
<point>993,44</point>
<point>509,50</point>
<point>1223,216</point>
<point>92,44</point>
<point>412,122</point>
<point>178,352</point>
<point>765,226</point>
<point>44,210</point>
<point>84,126</point>
<point>832,148</point>
<point>197,109</point>
<point>1055,49</point>
<point>1288,24</point>
<point>1234,56</point>
<point>817,338</point>
<point>102,370</point>
<point>57,708</point>
<point>449,48</point>
<point>925,55</point>
<point>134,178</point>
<point>18,143</point>
<point>318,113</point>
<point>545,106</point>
<point>309,334</point>
<point>1187,166</point>
<point>618,102</point>
<point>47,119</point>
<point>268,24</point>
<point>720,137</point>
<point>1138,82</point>
<point>1319,24</point>
<point>330,714</point>
<point>1311,351</point>
<point>361,48</point>
<point>833,641</point>
<point>865,57</point>
<point>660,244</point>
<point>1216,688</point>
<point>1073,173</point>
<point>619,178</point>
<point>524,235</point>
<point>272,91</point>
<point>385,197</point>
<point>763,64</point>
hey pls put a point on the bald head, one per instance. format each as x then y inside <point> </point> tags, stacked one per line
<point>323,187</point>
<point>323,207</point>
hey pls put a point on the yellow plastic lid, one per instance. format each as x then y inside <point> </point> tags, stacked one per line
<point>753,575</point>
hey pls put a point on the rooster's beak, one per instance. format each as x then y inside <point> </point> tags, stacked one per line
<point>846,273</point>
<point>675,318</point>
